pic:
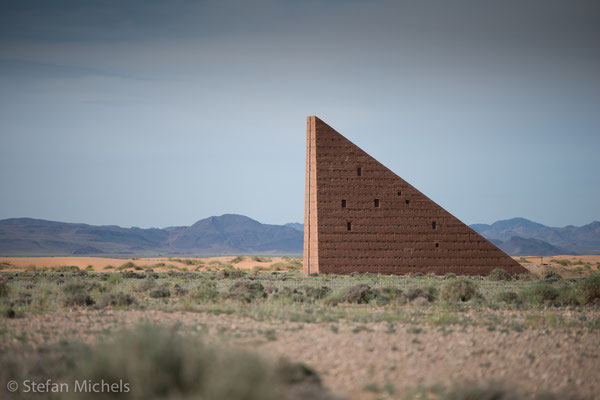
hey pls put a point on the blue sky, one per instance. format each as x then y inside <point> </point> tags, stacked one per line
<point>156,113</point>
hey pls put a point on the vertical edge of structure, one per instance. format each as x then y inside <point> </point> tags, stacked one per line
<point>306,252</point>
<point>311,250</point>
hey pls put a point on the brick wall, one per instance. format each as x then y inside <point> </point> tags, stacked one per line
<point>360,216</point>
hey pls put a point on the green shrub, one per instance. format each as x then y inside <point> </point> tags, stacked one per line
<point>316,293</point>
<point>291,295</point>
<point>499,274</point>
<point>205,292</point>
<point>392,293</point>
<point>115,278</point>
<point>279,266</point>
<point>551,276</point>
<point>161,292</point>
<point>564,263</point>
<point>566,296</point>
<point>527,277</point>
<point>540,293</point>
<point>508,297</point>
<point>361,294</point>
<point>413,293</point>
<point>295,265</point>
<point>237,259</point>
<point>460,289</point>
<point>78,299</point>
<point>233,273</point>
<point>5,264</point>
<point>119,299</point>
<point>127,265</point>
<point>587,291</point>
<point>132,275</point>
<point>74,288</point>
<point>247,291</point>
<point>3,289</point>
<point>260,259</point>
<point>160,363</point>
<point>146,285</point>
<point>334,297</point>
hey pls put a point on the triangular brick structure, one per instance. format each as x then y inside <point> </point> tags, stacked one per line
<point>361,217</point>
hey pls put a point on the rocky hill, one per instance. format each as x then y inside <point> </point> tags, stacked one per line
<point>568,240</point>
<point>226,234</point>
<point>238,234</point>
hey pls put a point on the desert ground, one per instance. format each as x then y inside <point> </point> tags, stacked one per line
<point>564,264</point>
<point>352,337</point>
<point>159,264</point>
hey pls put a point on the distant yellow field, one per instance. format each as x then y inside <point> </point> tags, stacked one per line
<point>564,264</point>
<point>103,264</point>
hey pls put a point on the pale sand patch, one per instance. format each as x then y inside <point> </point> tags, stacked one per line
<point>535,264</point>
<point>538,265</point>
<point>99,264</point>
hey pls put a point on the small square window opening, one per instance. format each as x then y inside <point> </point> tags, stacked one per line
<point>376,203</point>
<point>359,171</point>
<point>343,203</point>
<point>349,226</point>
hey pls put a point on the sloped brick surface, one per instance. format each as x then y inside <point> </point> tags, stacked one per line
<point>360,216</point>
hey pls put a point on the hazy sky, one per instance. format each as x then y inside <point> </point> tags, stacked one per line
<point>157,113</point>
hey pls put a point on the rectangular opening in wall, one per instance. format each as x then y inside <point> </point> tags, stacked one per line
<point>433,225</point>
<point>349,226</point>
<point>376,203</point>
<point>358,171</point>
<point>407,201</point>
<point>437,244</point>
<point>343,203</point>
<point>399,193</point>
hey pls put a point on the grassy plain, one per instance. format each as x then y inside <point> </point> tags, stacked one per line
<point>360,337</point>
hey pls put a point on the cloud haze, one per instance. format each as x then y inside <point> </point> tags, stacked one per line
<point>156,113</point>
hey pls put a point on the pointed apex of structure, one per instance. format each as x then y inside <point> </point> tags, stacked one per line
<point>361,217</point>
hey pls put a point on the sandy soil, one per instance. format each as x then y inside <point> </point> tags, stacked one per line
<point>357,355</point>
<point>538,265</point>
<point>99,264</point>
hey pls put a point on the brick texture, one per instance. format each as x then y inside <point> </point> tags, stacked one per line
<point>361,217</point>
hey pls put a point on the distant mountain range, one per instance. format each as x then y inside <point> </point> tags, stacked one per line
<point>226,234</point>
<point>522,237</point>
<point>238,234</point>
<point>296,225</point>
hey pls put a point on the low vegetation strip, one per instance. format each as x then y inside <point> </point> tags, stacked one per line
<point>294,296</point>
<point>389,320</point>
